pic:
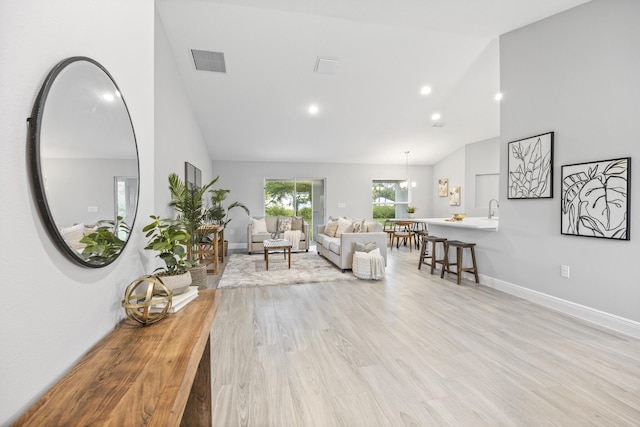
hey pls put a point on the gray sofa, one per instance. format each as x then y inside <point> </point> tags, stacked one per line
<point>339,250</point>
<point>255,239</point>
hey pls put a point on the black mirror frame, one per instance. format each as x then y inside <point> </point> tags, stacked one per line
<point>35,166</point>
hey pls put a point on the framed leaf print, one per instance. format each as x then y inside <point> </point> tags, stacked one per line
<point>443,187</point>
<point>531,168</point>
<point>454,196</point>
<point>595,199</point>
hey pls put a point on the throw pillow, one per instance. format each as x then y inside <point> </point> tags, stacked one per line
<point>72,236</point>
<point>259,225</point>
<point>365,247</point>
<point>297,222</point>
<point>343,224</point>
<point>359,226</point>
<point>284,224</point>
<point>330,229</point>
<point>373,226</point>
<point>272,223</point>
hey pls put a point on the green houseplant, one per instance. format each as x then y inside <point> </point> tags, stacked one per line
<point>188,201</point>
<point>217,213</point>
<point>105,244</point>
<point>169,238</point>
<point>411,210</point>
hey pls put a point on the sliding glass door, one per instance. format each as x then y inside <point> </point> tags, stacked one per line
<point>295,196</point>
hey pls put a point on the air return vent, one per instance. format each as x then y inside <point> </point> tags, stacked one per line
<point>326,65</point>
<point>205,60</point>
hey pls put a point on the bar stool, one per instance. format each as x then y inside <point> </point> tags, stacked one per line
<point>459,246</point>
<point>425,254</point>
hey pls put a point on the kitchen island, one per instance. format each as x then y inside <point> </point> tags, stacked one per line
<point>474,223</point>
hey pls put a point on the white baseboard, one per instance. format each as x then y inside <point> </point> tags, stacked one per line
<point>601,318</point>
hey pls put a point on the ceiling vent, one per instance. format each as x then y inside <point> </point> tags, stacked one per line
<point>326,65</point>
<point>205,60</point>
<point>439,124</point>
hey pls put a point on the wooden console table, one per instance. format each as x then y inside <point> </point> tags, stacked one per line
<point>157,375</point>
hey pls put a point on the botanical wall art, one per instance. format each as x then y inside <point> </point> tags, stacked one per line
<point>443,187</point>
<point>595,199</point>
<point>454,196</point>
<point>531,167</point>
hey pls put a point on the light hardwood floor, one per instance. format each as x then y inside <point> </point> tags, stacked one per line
<point>414,350</point>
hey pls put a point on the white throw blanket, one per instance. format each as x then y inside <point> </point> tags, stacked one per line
<point>368,265</point>
<point>377,267</point>
<point>294,237</point>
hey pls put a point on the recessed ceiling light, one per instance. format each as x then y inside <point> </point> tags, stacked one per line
<point>107,96</point>
<point>435,116</point>
<point>313,109</point>
<point>425,90</point>
<point>498,96</point>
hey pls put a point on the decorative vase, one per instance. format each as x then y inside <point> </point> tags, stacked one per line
<point>177,283</point>
<point>412,215</point>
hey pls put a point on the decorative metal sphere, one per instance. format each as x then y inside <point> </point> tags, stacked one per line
<point>141,295</point>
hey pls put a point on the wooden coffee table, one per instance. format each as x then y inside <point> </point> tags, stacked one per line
<point>276,245</point>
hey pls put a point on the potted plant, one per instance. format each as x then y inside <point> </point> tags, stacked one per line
<point>104,245</point>
<point>217,213</point>
<point>170,238</point>
<point>411,210</point>
<point>188,201</point>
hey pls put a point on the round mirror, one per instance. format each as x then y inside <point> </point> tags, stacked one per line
<point>84,162</point>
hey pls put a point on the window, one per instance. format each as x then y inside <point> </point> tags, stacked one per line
<point>125,195</point>
<point>390,199</point>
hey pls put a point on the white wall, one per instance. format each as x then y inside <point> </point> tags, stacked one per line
<point>53,311</point>
<point>345,183</point>
<point>575,74</point>
<point>62,180</point>
<point>481,158</point>
<point>451,167</point>
<point>462,167</point>
<point>178,135</point>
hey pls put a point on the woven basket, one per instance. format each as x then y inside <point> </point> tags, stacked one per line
<point>199,276</point>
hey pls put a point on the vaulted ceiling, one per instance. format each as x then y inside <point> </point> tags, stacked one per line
<point>370,109</point>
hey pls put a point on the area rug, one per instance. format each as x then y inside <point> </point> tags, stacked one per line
<point>306,267</point>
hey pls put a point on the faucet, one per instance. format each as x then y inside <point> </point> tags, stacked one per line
<point>491,213</point>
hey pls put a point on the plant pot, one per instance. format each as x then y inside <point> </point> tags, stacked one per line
<point>178,283</point>
<point>412,215</point>
<point>224,248</point>
<point>199,276</point>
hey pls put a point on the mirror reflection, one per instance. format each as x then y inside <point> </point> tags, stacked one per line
<point>85,161</point>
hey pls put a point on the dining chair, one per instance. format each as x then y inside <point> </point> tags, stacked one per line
<point>388,227</point>
<point>403,230</point>
<point>420,230</point>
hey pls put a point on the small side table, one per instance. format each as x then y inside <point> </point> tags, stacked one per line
<point>276,245</point>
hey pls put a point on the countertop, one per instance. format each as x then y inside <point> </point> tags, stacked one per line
<point>477,223</point>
